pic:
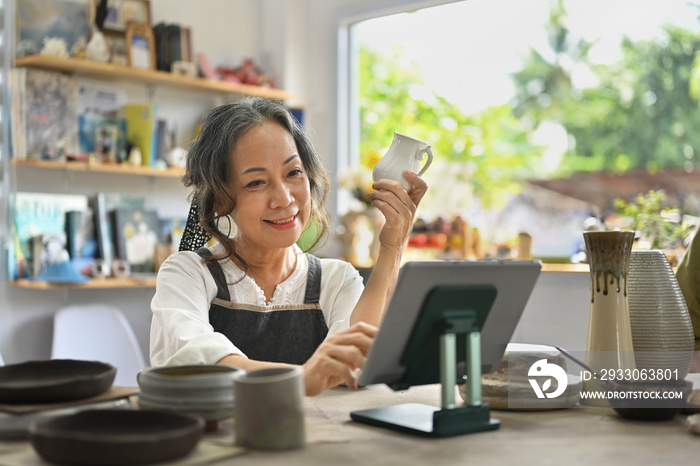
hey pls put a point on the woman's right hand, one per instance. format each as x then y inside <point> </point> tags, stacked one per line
<point>337,359</point>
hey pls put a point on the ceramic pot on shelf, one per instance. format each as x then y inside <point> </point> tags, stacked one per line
<point>661,328</point>
<point>609,345</point>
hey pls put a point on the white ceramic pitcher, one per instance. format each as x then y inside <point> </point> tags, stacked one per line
<point>405,153</point>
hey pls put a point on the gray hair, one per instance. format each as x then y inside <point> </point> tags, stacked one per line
<point>207,167</point>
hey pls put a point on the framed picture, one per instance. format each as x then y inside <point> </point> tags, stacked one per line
<point>114,20</point>
<point>122,12</point>
<point>136,11</point>
<point>63,19</point>
<point>106,138</point>
<point>117,48</point>
<point>140,46</point>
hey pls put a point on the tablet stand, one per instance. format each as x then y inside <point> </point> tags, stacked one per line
<point>422,419</point>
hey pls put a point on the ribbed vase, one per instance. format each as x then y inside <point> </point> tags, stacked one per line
<point>661,327</point>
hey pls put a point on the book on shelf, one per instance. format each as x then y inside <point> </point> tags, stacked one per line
<point>51,123</point>
<point>81,239</point>
<point>102,136</point>
<point>163,144</point>
<point>161,43</point>
<point>141,129</point>
<point>46,248</point>
<point>135,237</point>
<point>100,131</point>
<point>186,44</point>
<point>37,214</point>
<point>205,68</point>
<point>18,135</point>
<point>173,44</point>
<point>102,204</point>
<point>105,251</point>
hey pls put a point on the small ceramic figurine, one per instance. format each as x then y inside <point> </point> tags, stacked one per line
<point>135,157</point>
<point>176,157</point>
<point>79,49</point>
<point>25,48</point>
<point>97,48</point>
<point>55,47</point>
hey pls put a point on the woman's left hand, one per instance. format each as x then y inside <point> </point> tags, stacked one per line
<point>398,207</point>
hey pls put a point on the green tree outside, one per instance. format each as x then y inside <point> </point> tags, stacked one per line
<point>491,148</point>
<point>642,115</point>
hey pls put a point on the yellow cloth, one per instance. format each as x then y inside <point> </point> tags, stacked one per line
<point>688,275</point>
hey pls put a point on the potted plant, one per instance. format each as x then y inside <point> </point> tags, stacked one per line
<point>658,225</point>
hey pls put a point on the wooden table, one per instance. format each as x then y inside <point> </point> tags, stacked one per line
<point>570,437</point>
<point>563,437</point>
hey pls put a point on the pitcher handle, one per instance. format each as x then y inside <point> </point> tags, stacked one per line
<point>419,155</point>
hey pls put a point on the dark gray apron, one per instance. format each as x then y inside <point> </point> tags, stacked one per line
<point>288,334</point>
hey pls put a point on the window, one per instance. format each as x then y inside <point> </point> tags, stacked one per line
<point>516,95</point>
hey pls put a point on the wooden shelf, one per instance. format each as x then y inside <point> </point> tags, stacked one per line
<point>123,169</point>
<point>112,72</point>
<point>95,283</point>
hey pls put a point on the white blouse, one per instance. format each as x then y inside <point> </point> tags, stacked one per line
<point>180,329</point>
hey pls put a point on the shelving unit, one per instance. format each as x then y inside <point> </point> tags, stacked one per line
<point>122,169</point>
<point>95,283</point>
<point>150,78</point>
<point>108,71</point>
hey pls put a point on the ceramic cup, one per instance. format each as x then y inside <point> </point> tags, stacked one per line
<point>405,153</point>
<point>270,408</point>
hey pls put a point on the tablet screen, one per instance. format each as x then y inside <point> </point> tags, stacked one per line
<point>496,290</point>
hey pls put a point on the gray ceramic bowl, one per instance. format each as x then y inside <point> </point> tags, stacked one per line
<point>203,390</point>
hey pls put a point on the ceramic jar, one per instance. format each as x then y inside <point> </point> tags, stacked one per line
<point>661,328</point>
<point>270,408</point>
<point>609,344</point>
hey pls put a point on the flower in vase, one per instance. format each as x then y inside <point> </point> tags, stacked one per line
<point>358,180</point>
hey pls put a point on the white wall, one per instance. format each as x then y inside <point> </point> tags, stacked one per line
<point>296,41</point>
<point>228,31</point>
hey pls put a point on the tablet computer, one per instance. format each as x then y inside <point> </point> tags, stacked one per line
<point>497,290</point>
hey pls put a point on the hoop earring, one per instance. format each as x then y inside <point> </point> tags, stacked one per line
<point>228,235</point>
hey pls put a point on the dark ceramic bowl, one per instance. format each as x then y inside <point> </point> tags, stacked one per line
<point>648,400</point>
<point>54,380</point>
<point>108,437</point>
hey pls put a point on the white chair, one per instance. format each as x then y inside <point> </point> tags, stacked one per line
<point>98,332</point>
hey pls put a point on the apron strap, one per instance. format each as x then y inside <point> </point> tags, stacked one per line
<point>216,272</point>
<point>313,281</point>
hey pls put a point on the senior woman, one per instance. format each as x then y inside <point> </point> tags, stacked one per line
<point>254,299</point>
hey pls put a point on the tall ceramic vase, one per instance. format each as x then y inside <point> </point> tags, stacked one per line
<point>661,328</point>
<point>609,345</point>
